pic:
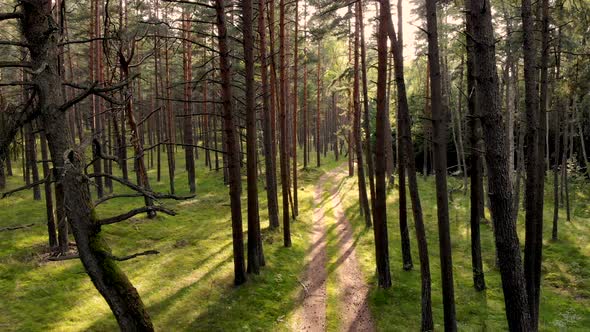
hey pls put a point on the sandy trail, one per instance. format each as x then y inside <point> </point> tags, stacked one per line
<point>353,309</point>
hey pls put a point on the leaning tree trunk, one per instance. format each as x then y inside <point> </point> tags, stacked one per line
<point>407,157</point>
<point>95,254</point>
<point>39,30</point>
<point>500,187</point>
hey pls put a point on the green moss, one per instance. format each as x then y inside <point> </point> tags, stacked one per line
<point>187,287</point>
<point>565,303</point>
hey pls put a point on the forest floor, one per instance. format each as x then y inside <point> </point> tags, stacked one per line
<point>188,287</point>
<point>353,312</point>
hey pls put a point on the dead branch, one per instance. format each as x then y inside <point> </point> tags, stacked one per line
<point>15,64</point>
<point>63,258</point>
<point>126,258</point>
<point>134,212</point>
<point>9,16</point>
<point>109,197</point>
<point>12,228</point>
<point>28,186</point>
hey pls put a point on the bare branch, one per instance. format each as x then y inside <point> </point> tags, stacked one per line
<point>126,258</point>
<point>134,212</point>
<point>12,228</point>
<point>9,16</point>
<point>108,198</point>
<point>63,258</point>
<point>28,186</point>
<point>15,64</point>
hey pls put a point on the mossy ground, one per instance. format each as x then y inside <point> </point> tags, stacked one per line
<point>565,296</point>
<point>189,285</point>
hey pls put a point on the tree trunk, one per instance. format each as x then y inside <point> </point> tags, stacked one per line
<point>254,239</point>
<point>270,168</point>
<point>364,200</point>
<point>51,231</point>
<point>71,184</point>
<point>231,143</point>
<point>366,113</point>
<point>406,157</point>
<point>295,110</point>
<point>440,165</point>
<point>380,213</point>
<point>476,159</point>
<point>188,120</point>
<point>557,148</point>
<point>318,115</point>
<point>502,204</point>
<point>95,254</point>
<point>31,152</point>
<point>283,121</point>
<point>535,168</point>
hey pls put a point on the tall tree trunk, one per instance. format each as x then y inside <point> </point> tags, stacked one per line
<point>318,115</point>
<point>283,121</point>
<point>557,148</point>
<point>254,239</point>
<point>140,168</point>
<point>366,113</point>
<point>440,166</point>
<point>295,110</point>
<point>188,120</point>
<point>380,213</point>
<point>270,168</point>
<point>305,102</point>
<point>407,157</point>
<point>231,143</point>
<point>364,200</point>
<point>476,158</point>
<point>170,128</point>
<point>502,204</point>
<point>535,168</point>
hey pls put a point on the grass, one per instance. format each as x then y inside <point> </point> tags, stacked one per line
<point>188,286</point>
<point>565,295</point>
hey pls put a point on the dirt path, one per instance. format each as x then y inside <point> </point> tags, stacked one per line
<point>353,310</point>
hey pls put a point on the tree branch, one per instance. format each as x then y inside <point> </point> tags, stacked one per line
<point>9,16</point>
<point>134,212</point>
<point>126,258</point>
